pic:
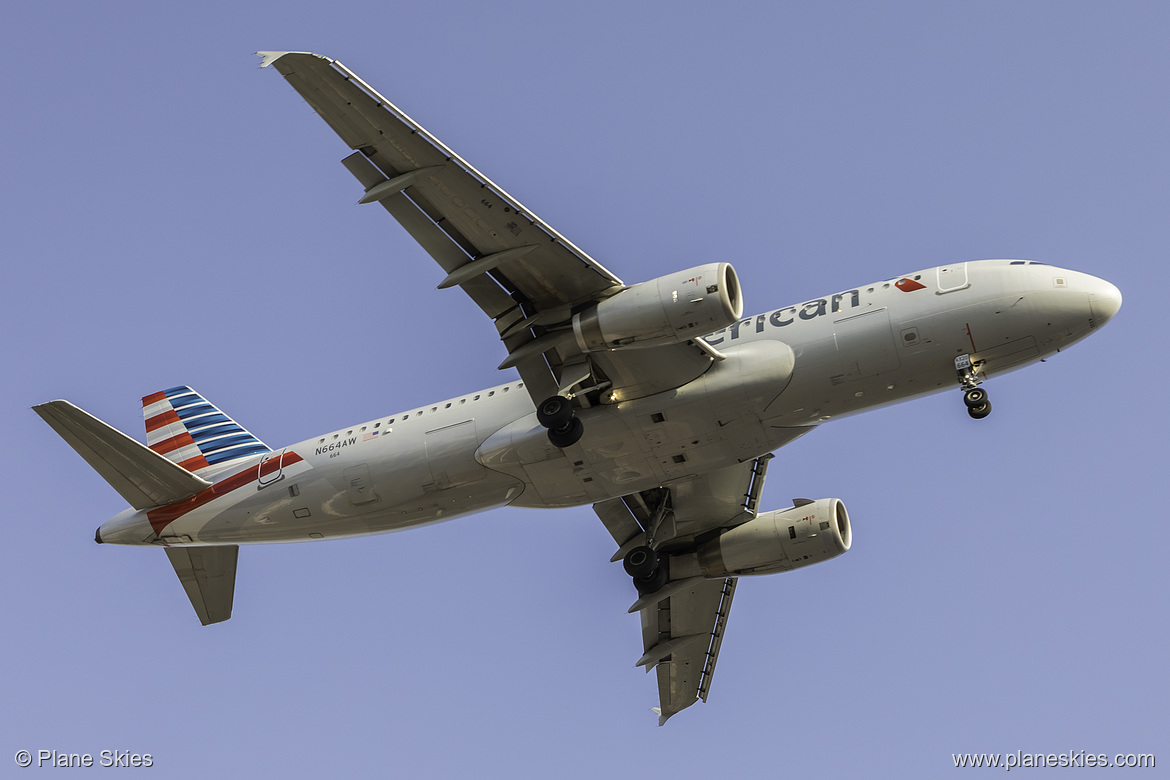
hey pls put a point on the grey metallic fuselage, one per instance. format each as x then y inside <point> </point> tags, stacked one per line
<point>784,372</point>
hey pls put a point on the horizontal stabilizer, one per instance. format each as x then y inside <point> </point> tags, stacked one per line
<point>208,575</point>
<point>142,477</point>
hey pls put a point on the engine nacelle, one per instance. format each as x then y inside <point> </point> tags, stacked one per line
<point>667,310</point>
<point>779,541</point>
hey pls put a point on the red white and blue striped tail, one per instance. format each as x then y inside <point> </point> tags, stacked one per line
<point>183,426</point>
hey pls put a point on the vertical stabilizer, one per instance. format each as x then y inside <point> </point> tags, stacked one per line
<point>186,428</point>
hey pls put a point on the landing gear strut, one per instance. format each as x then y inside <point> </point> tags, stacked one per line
<point>564,427</point>
<point>974,397</point>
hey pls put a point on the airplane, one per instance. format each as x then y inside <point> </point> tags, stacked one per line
<point>659,403</point>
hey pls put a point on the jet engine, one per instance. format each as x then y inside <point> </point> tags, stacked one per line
<point>667,310</point>
<point>779,541</point>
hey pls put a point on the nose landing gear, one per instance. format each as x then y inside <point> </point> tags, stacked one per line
<point>974,397</point>
<point>977,404</point>
<point>564,427</point>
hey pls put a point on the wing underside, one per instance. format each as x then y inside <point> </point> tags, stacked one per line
<point>527,277</point>
<point>683,634</point>
<point>683,623</point>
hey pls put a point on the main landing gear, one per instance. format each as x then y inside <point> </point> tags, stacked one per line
<point>564,427</point>
<point>974,397</point>
<point>647,569</point>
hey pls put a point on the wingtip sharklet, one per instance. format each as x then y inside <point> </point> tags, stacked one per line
<point>269,57</point>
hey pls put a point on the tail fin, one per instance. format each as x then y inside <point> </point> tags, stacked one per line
<point>144,478</point>
<point>186,428</point>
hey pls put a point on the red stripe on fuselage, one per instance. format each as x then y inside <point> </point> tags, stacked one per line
<point>163,516</point>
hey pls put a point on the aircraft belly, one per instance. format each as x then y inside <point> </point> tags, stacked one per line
<point>321,513</point>
<point>710,423</point>
<point>394,483</point>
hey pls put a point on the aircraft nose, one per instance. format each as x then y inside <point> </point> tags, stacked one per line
<point>1104,299</point>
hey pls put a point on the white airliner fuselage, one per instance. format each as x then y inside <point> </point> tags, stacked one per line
<point>783,373</point>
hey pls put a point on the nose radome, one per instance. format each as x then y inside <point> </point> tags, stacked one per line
<point>1105,299</point>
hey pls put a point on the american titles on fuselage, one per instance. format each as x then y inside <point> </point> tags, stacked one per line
<point>810,310</point>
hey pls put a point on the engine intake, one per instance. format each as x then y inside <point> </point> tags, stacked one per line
<point>667,310</point>
<point>779,541</point>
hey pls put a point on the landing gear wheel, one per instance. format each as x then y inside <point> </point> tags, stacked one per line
<point>554,412</point>
<point>975,397</point>
<point>567,435</point>
<point>640,562</point>
<point>654,582</point>
<point>980,411</point>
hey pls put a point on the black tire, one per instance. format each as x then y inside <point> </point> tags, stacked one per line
<point>981,411</point>
<point>567,435</point>
<point>640,562</point>
<point>654,582</point>
<point>554,412</point>
<point>974,397</point>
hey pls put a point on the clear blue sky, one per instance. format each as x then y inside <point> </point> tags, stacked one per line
<point>172,215</point>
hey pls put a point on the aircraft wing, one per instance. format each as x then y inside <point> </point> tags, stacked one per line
<point>527,277</point>
<point>683,623</point>
<point>682,634</point>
